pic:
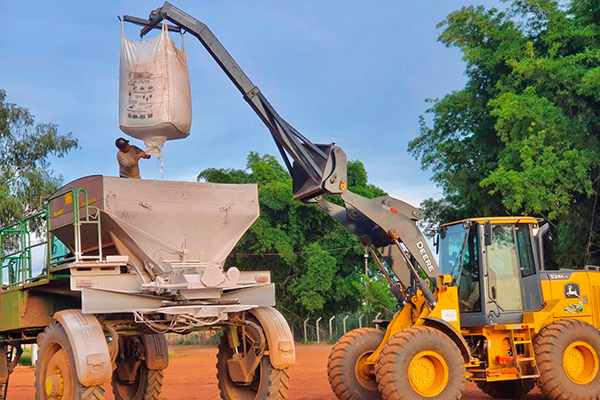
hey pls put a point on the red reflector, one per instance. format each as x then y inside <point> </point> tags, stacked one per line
<point>393,210</point>
<point>262,278</point>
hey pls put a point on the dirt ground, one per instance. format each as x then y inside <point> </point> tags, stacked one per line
<point>191,376</point>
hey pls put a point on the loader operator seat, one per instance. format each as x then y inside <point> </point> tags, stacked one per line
<point>469,289</point>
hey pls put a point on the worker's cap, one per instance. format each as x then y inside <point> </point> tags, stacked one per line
<point>121,143</point>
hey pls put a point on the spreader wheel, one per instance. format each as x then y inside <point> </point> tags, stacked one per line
<point>268,382</point>
<point>132,380</point>
<point>55,375</point>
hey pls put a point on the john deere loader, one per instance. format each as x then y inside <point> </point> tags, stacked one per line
<point>488,312</point>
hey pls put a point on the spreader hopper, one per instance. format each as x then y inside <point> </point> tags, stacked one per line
<point>157,240</point>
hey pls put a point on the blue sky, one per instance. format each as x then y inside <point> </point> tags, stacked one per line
<point>351,72</point>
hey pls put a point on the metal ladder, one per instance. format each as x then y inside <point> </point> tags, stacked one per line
<point>528,355</point>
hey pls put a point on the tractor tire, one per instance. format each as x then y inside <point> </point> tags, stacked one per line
<point>507,389</point>
<point>420,362</point>
<point>55,372</point>
<point>348,377</point>
<point>269,383</point>
<point>147,385</point>
<point>567,353</point>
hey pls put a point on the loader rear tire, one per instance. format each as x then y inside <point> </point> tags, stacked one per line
<point>55,375</point>
<point>269,383</point>
<point>420,362</point>
<point>567,353</point>
<point>349,377</point>
<point>507,389</point>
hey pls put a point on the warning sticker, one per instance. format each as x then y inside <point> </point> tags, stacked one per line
<point>450,315</point>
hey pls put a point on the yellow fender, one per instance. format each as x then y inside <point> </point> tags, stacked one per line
<point>282,352</point>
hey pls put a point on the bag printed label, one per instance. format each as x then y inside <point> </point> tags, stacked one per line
<point>141,87</point>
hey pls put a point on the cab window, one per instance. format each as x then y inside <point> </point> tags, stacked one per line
<point>525,250</point>
<point>459,257</point>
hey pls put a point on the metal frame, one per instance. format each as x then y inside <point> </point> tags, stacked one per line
<point>320,169</point>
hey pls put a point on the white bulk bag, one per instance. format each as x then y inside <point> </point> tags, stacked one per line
<point>155,103</point>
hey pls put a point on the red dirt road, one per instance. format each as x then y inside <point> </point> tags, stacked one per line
<point>191,376</point>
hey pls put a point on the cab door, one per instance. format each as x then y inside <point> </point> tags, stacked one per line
<point>503,274</point>
<point>512,276</point>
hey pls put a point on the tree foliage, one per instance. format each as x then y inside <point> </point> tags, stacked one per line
<point>316,263</point>
<point>26,148</point>
<point>522,136</point>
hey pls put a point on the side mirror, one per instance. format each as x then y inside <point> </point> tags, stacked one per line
<point>494,292</point>
<point>487,233</point>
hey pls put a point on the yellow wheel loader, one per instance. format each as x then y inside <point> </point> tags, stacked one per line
<point>488,312</point>
<point>497,319</point>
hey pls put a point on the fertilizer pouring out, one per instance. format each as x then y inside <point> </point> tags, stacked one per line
<point>145,258</point>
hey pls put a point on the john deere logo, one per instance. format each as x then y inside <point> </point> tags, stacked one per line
<point>572,291</point>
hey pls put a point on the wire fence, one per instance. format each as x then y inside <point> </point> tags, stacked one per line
<point>328,329</point>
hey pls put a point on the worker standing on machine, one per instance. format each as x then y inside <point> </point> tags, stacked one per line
<point>128,157</point>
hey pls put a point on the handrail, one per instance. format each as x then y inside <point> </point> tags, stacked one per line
<point>19,263</point>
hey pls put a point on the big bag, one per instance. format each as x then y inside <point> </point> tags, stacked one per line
<point>155,102</point>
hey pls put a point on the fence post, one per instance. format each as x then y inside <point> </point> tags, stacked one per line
<point>376,318</point>
<point>331,327</point>
<point>305,336</point>
<point>360,320</point>
<point>344,322</point>
<point>318,337</point>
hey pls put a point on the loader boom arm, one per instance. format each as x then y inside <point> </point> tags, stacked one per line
<point>320,169</point>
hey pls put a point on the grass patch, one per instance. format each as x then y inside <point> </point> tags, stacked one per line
<point>25,358</point>
<point>173,354</point>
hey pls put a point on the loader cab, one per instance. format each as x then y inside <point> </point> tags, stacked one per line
<point>493,263</point>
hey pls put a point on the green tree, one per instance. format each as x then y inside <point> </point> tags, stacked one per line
<point>316,263</point>
<point>25,174</point>
<point>522,136</point>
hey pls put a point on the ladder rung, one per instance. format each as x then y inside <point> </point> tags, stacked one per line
<point>522,341</point>
<point>526,359</point>
<point>529,376</point>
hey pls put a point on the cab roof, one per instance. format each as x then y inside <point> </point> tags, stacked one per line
<point>497,220</point>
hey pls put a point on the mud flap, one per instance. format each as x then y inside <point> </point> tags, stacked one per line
<point>282,352</point>
<point>86,336</point>
<point>157,352</point>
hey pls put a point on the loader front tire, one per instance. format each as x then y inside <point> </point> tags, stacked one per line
<point>420,362</point>
<point>55,375</point>
<point>567,354</point>
<point>349,377</point>
<point>507,389</point>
